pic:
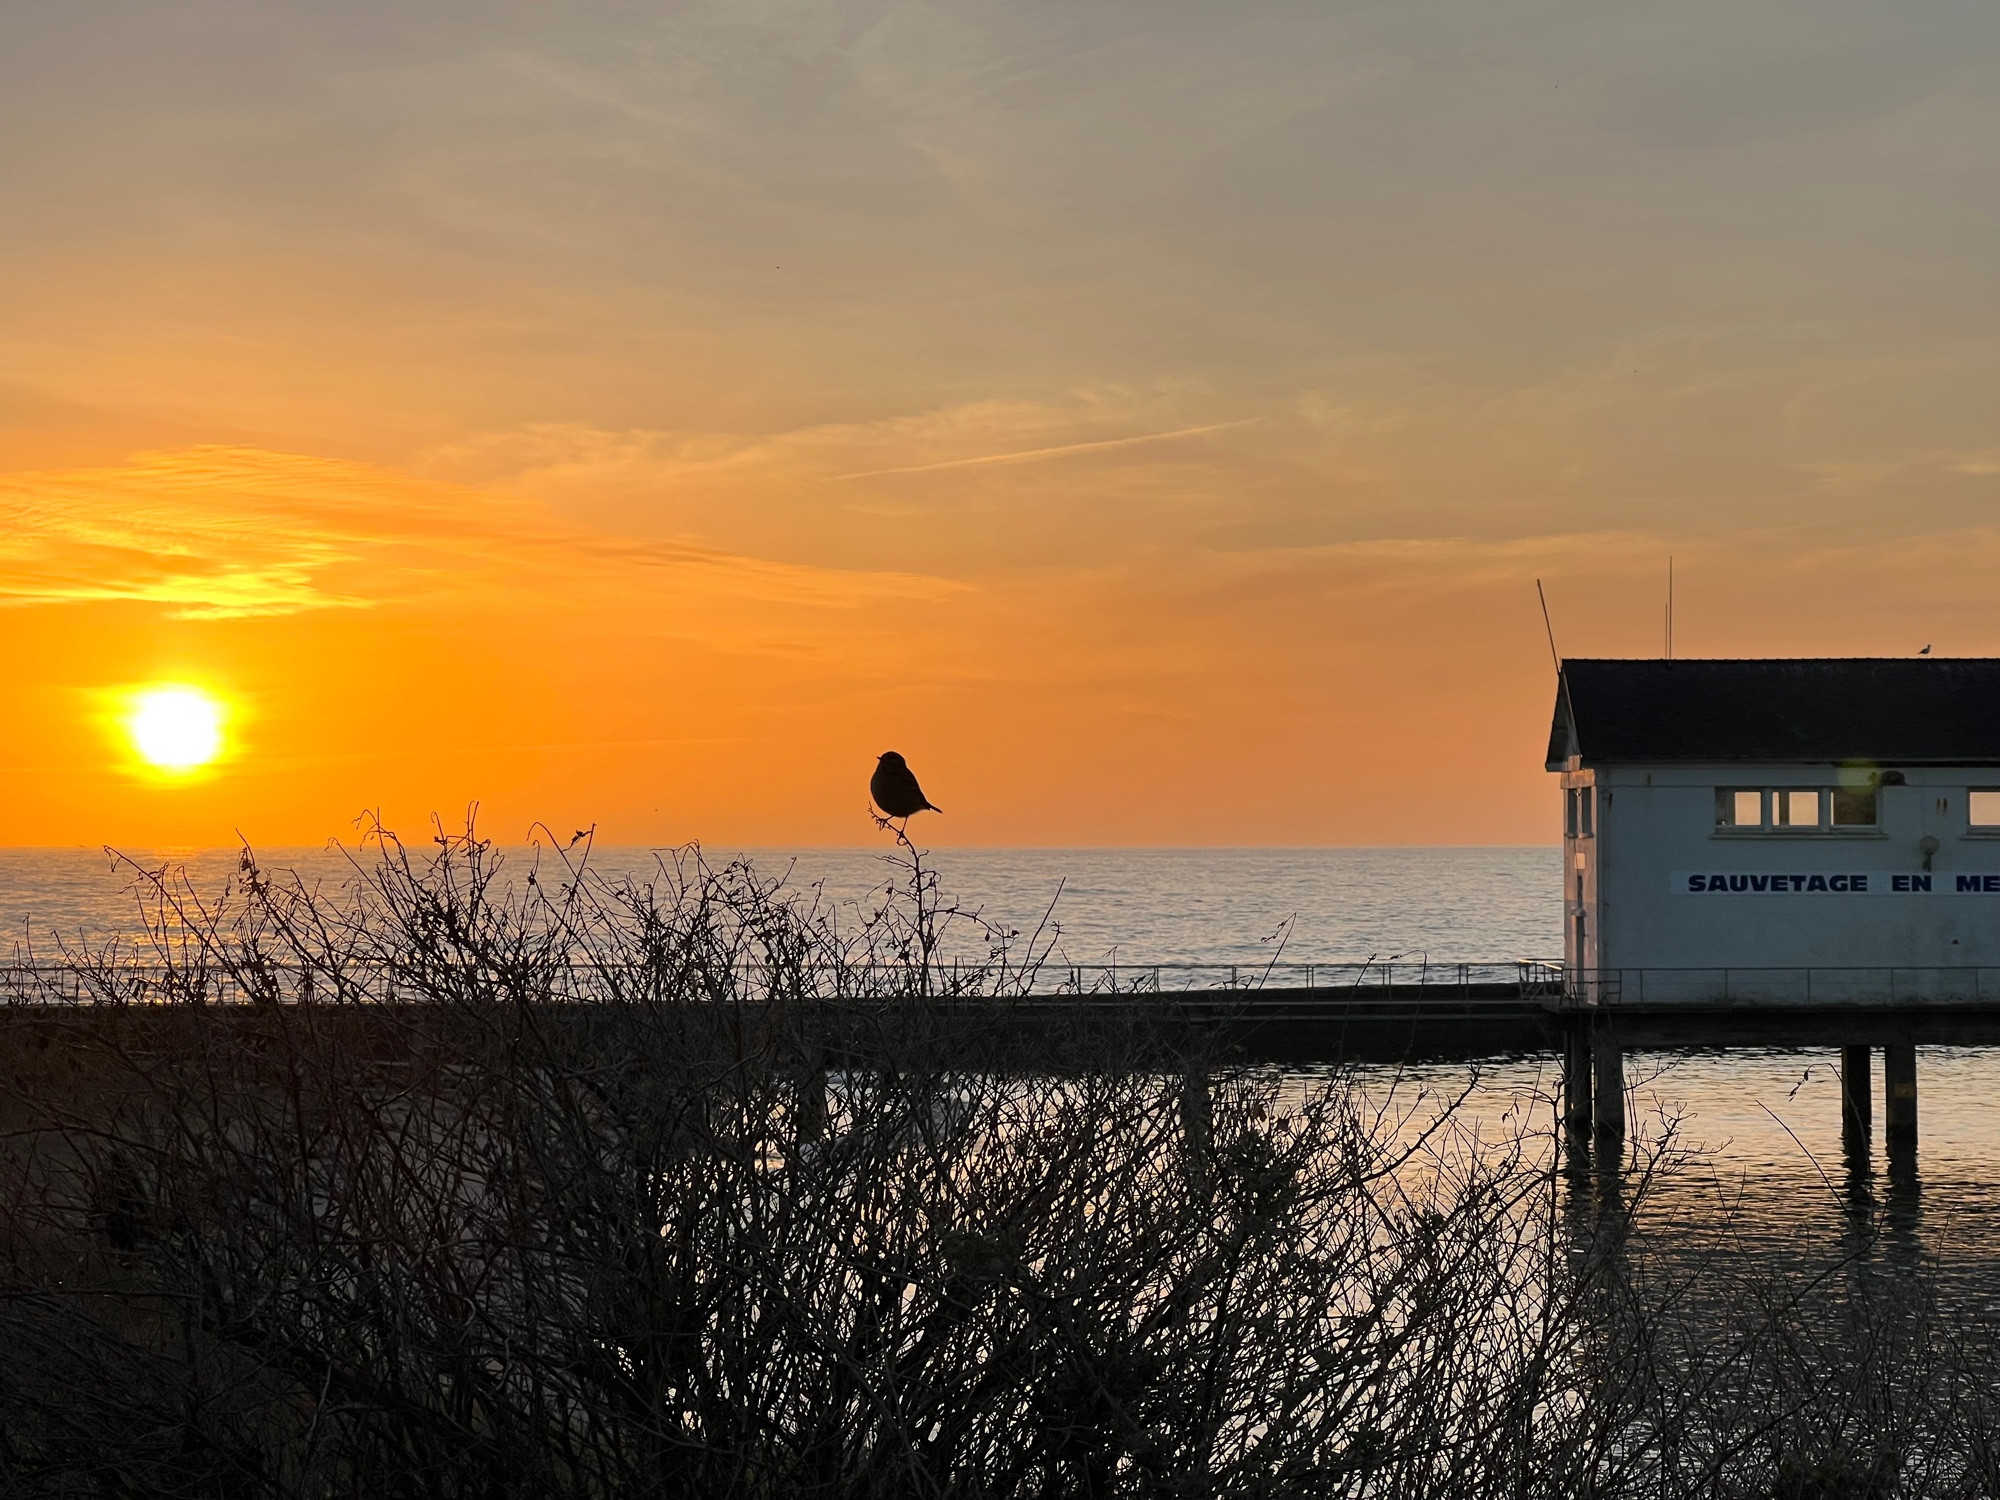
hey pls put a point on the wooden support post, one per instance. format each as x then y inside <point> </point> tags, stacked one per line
<point>1899,1094</point>
<point>1609,1086</point>
<point>809,1111</point>
<point>1857,1097</point>
<point>1198,1120</point>
<point>1576,1076</point>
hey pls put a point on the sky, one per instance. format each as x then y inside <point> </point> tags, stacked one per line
<point>1151,419</point>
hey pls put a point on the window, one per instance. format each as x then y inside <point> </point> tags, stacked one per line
<point>1982,808</point>
<point>1738,809</point>
<point>1854,807</point>
<point>1793,808</point>
<point>1812,809</point>
<point>1579,813</point>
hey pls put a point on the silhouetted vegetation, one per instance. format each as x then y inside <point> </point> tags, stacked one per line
<point>445,1183</point>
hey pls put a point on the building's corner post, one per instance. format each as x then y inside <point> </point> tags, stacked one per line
<point>1857,1099</point>
<point>1899,1094</point>
<point>1576,1073</point>
<point>1608,1087</point>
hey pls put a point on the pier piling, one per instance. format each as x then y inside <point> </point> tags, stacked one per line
<point>1198,1119</point>
<point>1899,1093</point>
<point>1576,1077</point>
<point>1608,1087</point>
<point>809,1106</point>
<point>1857,1098</point>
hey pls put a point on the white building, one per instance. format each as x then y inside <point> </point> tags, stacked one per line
<point>1781,829</point>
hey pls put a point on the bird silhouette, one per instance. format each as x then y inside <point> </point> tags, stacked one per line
<point>895,789</point>
<point>1925,652</point>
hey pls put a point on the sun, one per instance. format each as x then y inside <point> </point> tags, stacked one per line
<point>175,728</point>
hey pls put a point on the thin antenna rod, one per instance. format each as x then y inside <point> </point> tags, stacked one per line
<point>1670,606</point>
<point>1562,677</point>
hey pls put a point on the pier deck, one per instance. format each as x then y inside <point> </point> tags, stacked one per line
<point>1413,1022</point>
<point>1365,1013</point>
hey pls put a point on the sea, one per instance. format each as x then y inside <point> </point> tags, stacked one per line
<point>1755,1133</point>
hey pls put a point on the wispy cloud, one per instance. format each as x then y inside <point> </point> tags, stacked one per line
<point>1874,470</point>
<point>217,532</point>
<point>1061,450</point>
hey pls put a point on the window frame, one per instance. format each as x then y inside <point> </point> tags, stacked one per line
<point>1822,809</point>
<point>1874,793</point>
<point>1975,829</point>
<point>1725,808</point>
<point>1726,825</point>
<point>1579,812</point>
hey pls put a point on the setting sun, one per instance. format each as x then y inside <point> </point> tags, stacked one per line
<point>175,728</point>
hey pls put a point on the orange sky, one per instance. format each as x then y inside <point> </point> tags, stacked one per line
<point>1150,419</point>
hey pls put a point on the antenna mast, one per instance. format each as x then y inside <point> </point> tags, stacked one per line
<point>1670,606</point>
<point>1562,677</point>
<point>1554,655</point>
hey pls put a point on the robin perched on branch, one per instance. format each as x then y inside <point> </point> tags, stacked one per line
<point>895,789</point>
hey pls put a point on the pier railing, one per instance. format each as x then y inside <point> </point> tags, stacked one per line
<point>1783,985</point>
<point>42,983</point>
<point>1374,981</point>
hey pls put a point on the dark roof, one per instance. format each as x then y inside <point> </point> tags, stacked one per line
<point>1884,710</point>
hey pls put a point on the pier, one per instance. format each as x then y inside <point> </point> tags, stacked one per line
<point>1587,1021</point>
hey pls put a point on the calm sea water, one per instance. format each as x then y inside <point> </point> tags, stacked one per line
<point>1143,906</point>
<point>1769,1173</point>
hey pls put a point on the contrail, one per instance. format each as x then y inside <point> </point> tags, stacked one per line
<point>1032,455</point>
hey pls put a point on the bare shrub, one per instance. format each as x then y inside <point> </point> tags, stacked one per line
<point>443,1184</point>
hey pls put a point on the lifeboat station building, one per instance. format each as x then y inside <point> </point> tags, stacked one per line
<point>1787,830</point>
